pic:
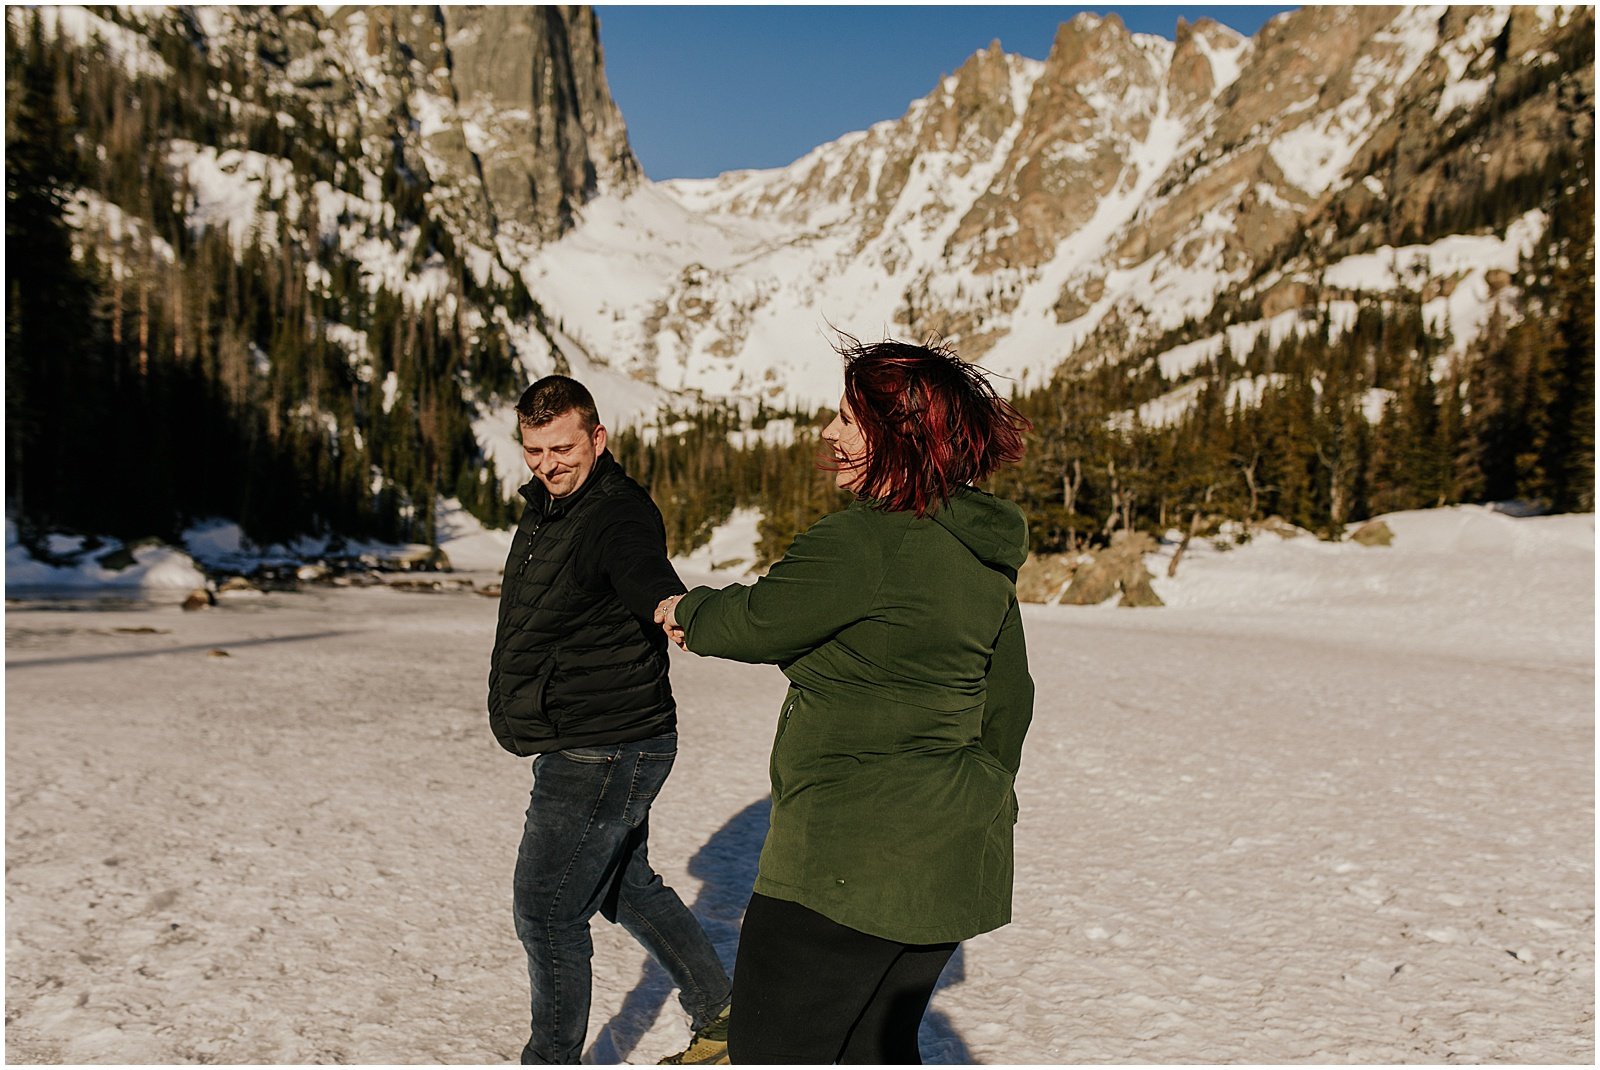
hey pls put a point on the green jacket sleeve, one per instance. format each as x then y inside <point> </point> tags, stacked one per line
<point>1009,707</point>
<point>827,580</point>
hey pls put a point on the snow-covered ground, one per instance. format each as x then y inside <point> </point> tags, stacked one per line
<point>1332,804</point>
<point>731,550</point>
<point>163,573</point>
<point>155,571</point>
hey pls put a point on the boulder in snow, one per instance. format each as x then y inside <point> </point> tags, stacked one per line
<point>1136,590</point>
<point>1043,577</point>
<point>117,560</point>
<point>1373,533</point>
<point>1279,527</point>
<point>1119,566</point>
<point>416,558</point>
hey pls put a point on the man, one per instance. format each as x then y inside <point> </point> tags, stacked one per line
<point>579,678</point>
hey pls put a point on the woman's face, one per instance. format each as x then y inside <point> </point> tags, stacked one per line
<point>844,436</point>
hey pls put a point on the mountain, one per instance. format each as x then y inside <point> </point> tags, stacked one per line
<point>301,261</point>
<point>1064,212</point>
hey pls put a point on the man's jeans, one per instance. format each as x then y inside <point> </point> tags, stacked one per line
<point>583,850</point>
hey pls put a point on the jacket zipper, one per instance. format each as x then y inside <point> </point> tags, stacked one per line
<point>529,556</point>
<point>787,710</point>
<point>783,727</point>
<point>523,567</point>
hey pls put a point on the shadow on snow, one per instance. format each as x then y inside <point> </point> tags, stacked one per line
<point>726,869</point>
<point>195,648</point>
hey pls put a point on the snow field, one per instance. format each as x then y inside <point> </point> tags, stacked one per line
<point>1294,817</point>
<point>1458,579</point>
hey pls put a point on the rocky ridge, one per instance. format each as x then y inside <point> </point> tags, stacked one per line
<point>507,107</point>
<point>1080,208</point>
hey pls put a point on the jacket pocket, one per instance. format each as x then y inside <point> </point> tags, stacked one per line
<point>789,703</point>
<point>590,755</point>
<point>539,697</point>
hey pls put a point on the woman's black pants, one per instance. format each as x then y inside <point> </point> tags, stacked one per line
<point>809,990</point>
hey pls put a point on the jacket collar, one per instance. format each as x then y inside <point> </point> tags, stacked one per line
<point>554,508</point>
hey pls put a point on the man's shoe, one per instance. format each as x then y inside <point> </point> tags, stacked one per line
<point>708,1046</point>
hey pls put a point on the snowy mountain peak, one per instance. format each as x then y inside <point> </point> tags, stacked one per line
<point>1206,59</point>
<point>1039,211</point>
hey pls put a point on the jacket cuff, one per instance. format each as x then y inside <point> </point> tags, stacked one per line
<point>690,605</point>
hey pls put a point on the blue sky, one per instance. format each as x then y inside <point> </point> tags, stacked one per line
<point>712,89</point>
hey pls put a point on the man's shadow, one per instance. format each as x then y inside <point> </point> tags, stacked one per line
<point>726,867</point>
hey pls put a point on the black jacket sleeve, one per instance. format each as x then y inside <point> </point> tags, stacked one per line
<point>628,553</point>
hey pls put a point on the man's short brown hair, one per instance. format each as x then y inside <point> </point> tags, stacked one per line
<point>553,396</point>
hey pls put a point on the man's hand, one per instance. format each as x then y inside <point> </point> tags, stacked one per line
<point>665,617</point>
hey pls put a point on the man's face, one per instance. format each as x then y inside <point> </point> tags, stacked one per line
<point>562,453</point>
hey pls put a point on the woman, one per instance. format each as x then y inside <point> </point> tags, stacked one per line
<point>896,622</point>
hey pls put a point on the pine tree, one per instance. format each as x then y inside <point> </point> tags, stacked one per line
<point>55,378</point>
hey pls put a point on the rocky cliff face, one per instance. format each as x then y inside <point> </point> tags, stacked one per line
<point>529,88</point>
<point>1094,102</point>
<point>1434,150</point>
<point>503,111</point>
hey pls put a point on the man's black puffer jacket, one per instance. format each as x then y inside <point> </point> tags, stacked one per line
<point>573,665</point>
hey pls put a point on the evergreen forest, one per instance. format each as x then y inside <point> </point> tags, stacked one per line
<point>175,372</point>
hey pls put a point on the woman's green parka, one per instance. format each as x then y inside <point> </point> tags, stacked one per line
<point>901,734</point>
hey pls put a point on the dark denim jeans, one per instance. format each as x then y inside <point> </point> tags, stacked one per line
<point>584,850</point>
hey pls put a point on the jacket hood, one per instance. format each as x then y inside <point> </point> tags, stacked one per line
<point>992,528</point>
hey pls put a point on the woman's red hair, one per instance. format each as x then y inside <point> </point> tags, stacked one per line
<point>931,421</point>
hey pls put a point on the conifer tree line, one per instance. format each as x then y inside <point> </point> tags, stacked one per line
<point>176,372</point>
<point>179,372</point>
<point>698,476</point>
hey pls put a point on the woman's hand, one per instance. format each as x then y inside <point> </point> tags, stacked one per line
<point>665,616</point>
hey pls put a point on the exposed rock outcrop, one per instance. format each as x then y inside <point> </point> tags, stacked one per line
<point>1436,150</point>
<point>1118,567</point>
<point>530,88</point>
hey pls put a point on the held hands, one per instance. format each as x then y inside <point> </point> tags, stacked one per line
<point>665,617</point>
